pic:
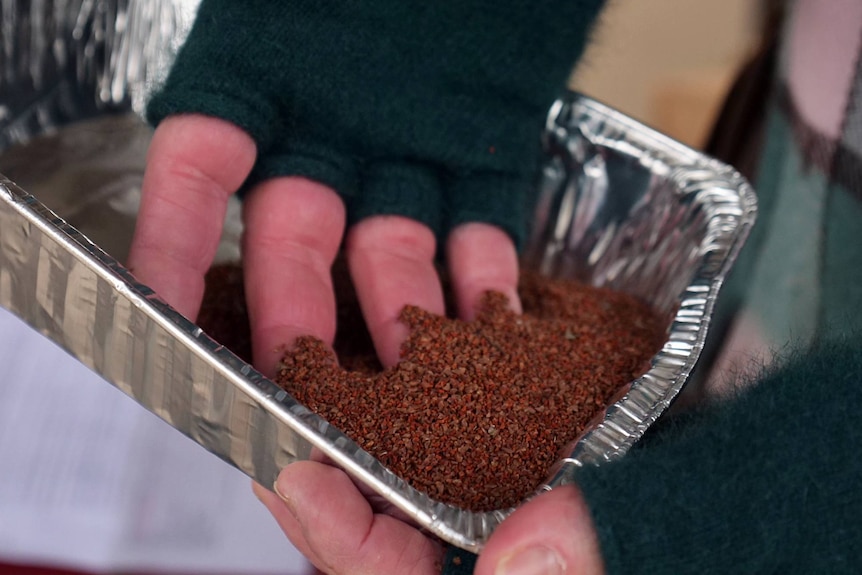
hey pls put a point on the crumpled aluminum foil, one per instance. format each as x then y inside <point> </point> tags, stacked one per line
<point>64,60</point>
<point>618,205</point>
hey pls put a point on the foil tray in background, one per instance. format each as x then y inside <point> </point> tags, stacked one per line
<point>618,205</point>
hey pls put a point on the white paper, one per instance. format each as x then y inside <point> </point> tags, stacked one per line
<point>91,480</point>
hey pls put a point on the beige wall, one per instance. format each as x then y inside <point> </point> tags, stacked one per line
<point>668,62</point>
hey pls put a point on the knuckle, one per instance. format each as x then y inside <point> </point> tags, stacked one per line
<point>298,221</point>
<point>193,179</point>
<point>393,237</point>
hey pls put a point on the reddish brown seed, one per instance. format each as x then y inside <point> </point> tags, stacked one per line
<point>223,313</point>
<point>476,412</point>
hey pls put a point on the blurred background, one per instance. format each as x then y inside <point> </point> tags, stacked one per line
<point>669,63</point>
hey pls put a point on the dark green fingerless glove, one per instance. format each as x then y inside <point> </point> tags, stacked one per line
<point>767,483</point>
<point>431,110</point>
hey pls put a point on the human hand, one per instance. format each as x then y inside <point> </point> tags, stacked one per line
<point>341,115</point>
<point>196,162</point>
<point>395,135</point>
<point>551,535</point>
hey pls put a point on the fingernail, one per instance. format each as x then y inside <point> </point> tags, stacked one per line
<point>280,489</point>
<point>532,561</point>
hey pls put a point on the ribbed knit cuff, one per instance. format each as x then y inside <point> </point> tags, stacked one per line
<point>765,483</point>
<point>249,110</point>
<point>398,188</point>
<point>432,112</point>
<point>502,200</point>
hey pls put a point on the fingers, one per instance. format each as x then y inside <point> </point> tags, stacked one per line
<point>391,260</point>
<point>193,165</point>
<point>499,199</point>
<point>293,229</point>
<point>338,530</point>
<point>285,520</point>
<point>481,258</point>
<point>551,534</point>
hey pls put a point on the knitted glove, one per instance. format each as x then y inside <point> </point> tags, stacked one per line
<point>765,483</point>
<point>430,110</point>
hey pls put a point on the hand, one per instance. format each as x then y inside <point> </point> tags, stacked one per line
<point>294,228</point>
<point>412,124</point>
<point>342,535</point>
<point>435,110</point>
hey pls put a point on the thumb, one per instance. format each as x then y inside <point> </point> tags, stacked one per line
<point>551,535</point>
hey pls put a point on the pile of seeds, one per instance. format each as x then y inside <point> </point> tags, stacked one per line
<point>223,313</point>
<point>477,412</point>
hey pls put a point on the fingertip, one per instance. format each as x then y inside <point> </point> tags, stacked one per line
<point>392,337</point>
<point>304,485</point>
<point>292,478</point>
<point>194,164</point>
<point>286,519</point>
<point>258,490</point>
<point>186,128</point>
<point>293,229</point>
<point>275,503</point>
<point>340,529</point>
<point>482,258</point>
<point>391,261</point>
<point>554,531</point>
<point>211,147</point>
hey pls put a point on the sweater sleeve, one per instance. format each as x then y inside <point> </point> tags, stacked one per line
<point>763,482</point>
<point>766,482</point>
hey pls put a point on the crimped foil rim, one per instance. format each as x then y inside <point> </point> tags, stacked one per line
<point>619,427</point>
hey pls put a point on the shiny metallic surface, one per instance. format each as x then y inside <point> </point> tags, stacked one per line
<point>63,60</point>
<point>623,206</point>
<point>618,205</point>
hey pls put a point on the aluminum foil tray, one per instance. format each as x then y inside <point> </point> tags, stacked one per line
<point>618,205</point>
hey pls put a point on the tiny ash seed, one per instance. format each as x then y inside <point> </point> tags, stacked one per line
<point>476,413</point>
